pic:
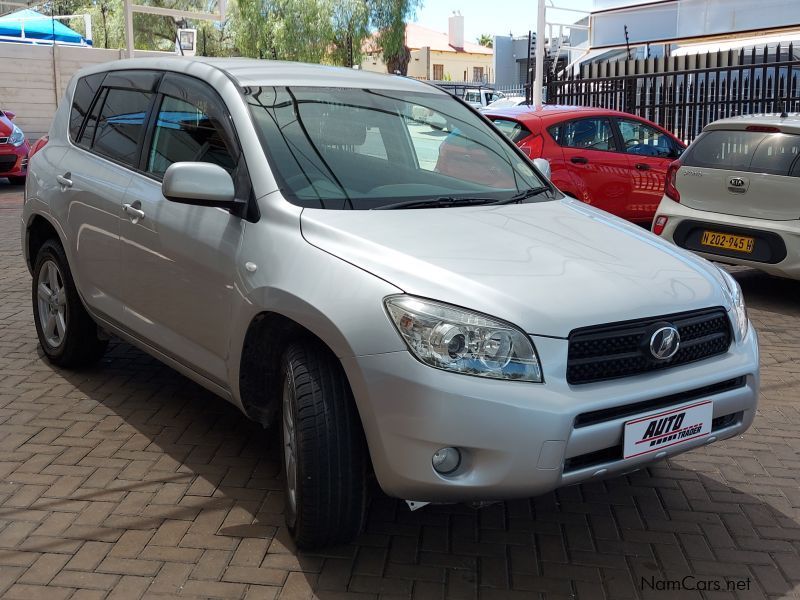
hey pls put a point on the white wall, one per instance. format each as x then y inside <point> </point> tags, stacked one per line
<point>35,77</point>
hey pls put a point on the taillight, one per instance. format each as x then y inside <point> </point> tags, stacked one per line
<point>38,145</point>
<point>659,224</point>
<point>763,128</point>
<point>532,146</point>
<point>670,188</point>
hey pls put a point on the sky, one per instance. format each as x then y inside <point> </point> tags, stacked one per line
<point>495,17</point>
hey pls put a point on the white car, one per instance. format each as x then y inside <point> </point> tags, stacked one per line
<point>734,195</point>
<point>505,102</point>
<point>480,97</point>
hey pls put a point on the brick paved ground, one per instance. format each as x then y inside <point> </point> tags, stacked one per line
<point>128,481</point>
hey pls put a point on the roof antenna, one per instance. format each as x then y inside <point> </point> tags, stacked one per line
<point>784,114</point>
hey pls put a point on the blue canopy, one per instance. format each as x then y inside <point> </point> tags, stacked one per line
<point>45,29</point>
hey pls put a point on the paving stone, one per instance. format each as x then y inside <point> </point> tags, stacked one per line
<point>126,480</point>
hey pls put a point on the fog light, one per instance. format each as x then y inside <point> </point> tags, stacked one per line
<point>446,460</point>
<point>659,224</point>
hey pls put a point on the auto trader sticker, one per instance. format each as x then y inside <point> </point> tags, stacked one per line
<point>667,428</point>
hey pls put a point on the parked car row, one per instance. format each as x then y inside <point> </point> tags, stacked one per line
<point>13,150</point>
<point>364,264</point>
<point>731,197</point>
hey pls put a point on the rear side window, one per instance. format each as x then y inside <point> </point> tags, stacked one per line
<point>91,122</point>
<point>515,131</point>
<point>120,127</point>
<point>750,151</point>
<point>589,134</point>
<point>85,91</point>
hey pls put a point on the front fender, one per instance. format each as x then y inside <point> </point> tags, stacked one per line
<point>338,302</point>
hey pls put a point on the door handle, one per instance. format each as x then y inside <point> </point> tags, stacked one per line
<point>643,166</point>
<point>135,213</point>
<point>579,160</point>
<point>64,180</point>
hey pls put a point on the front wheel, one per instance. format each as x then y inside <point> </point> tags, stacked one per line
<point>16,180</point>
<point>67,334</point>
<point>324,452</point>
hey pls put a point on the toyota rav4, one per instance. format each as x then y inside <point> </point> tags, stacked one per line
<point>286,236</point>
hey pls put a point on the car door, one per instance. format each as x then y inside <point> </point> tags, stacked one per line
<point>598,172</point>
<point>94,174</point>
<point>180,258</point>
<point>649,152</point>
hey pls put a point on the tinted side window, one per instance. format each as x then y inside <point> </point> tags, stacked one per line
<point>589,134</point>
<point>120,128</point>
<point>514,130</point>
<point>644,140</point>
<point>85,91</point>
<point>184,132</point>
<point>555,133</point>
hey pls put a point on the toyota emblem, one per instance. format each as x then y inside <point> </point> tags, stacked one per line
<point>664,343</point>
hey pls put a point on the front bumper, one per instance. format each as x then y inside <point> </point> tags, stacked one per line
<point>14,160</point>
<point>786,232</point>
<point>519,439</point>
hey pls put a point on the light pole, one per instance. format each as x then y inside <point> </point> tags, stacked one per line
<point>539,78</point>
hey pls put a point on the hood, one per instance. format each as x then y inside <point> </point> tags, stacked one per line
<point>5,126</point>
<point>548,267</point>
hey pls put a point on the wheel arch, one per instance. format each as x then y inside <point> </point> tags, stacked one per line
<point>265,341</point>
<point>39,229</point>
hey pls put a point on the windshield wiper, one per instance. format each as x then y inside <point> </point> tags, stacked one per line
<point>524,195</point>
<point>441,202</point>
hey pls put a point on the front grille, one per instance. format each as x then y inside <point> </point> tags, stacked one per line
<point>3,140</point>
<point>628,410</point>
<point>615,453</point>
<point>7,162</point>
<point>621,349</point>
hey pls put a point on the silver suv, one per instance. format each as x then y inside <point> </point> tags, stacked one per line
<point>401,296</point>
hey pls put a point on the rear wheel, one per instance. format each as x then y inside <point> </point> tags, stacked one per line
<point>17,180</point>
<point>323,449</point>
<point>67,334</point>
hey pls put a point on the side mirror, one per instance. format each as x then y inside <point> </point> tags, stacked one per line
<point>9,115</point>
<point>200,183</point>
<point>543,165</point>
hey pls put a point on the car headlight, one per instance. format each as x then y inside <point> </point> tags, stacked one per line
<point>17,137</point>
<point>738,308</point>
<point>458,340</point>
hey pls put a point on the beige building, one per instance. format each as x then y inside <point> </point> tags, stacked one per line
<point>438,56</point>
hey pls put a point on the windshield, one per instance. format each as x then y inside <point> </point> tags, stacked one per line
<point>342,148</point>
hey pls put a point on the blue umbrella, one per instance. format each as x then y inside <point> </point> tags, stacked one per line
<point>12,25</point>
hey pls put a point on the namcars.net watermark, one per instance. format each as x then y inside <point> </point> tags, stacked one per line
<point>694,583</point>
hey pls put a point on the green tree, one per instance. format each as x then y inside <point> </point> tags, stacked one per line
<point>389,18</point>
<point>350,27</point>
<point>485,40</point>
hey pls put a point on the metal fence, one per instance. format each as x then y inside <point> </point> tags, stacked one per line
<point>685,93</point>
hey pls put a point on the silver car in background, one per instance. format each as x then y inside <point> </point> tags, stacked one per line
<point>367,264</point>
<point>733,195</point>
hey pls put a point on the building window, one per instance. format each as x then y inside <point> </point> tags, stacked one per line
<point>438,72</point>
<point>477,73</point>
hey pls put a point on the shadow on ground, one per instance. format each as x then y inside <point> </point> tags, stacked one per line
<point>184,455</point>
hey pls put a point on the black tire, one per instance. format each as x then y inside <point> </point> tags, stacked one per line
<point>80,345</point>
<point>331,455</point>
<point>16,180</point>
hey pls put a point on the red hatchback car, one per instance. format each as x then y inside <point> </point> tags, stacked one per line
<point>13,150</point>
<point>609,159</point>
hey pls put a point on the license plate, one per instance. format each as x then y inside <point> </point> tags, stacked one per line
<point>728,241</point>
<point>667,428</point>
